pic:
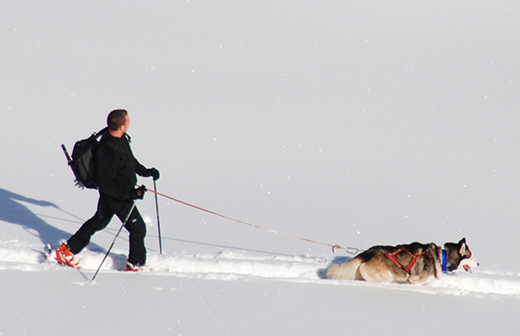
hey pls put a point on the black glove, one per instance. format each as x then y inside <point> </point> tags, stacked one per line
<point>153,173</point>
<point>138,193</point>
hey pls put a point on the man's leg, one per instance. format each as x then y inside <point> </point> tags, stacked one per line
<point>98,222</point>
<point>137,229</point>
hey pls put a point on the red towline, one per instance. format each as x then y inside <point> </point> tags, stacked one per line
<point>351,250</point>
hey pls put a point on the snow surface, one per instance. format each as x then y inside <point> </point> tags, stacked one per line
<point>346,122</point>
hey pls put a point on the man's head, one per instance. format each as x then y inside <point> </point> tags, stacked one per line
<point>116,119</point>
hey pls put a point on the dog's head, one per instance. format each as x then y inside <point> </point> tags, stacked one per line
<point>459,254</point>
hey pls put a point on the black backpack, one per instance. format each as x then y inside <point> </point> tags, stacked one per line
<point>82,161</point>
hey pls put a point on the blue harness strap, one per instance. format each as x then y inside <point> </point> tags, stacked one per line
<point>444,262</point>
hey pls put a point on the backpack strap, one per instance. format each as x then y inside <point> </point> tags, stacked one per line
<point>101,133</point>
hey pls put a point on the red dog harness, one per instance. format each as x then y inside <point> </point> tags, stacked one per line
<point>407,269</point>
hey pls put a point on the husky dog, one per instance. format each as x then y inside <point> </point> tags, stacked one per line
<point>415,263</point>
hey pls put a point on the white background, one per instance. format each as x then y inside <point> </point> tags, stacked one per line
<point>345,122</point>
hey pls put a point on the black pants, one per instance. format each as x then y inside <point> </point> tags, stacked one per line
<point>107,207</point>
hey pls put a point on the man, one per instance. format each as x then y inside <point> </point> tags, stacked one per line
<point>116,179</point>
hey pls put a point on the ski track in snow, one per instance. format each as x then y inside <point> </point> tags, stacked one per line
<point>230,265</point>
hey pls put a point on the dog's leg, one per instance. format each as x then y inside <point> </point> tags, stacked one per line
<point>423,279</point>
<point>371,274</point>
<point>345,271</point>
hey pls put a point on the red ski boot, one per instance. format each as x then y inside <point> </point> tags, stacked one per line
<point>65,257</point>
<point>133,268</point>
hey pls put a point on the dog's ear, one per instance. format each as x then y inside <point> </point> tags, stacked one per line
<point>462,246</point>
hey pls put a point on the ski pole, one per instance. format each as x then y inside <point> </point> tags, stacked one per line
<point>110,248</point>
<point>158,221</point>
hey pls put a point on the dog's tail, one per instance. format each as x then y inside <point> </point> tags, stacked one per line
<point>346,271</point>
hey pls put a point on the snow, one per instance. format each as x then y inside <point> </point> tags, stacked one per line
<point>349,123</point>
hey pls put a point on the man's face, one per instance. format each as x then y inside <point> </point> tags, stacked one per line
<point>127,123</point>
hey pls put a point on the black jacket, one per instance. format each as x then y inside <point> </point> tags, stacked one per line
<point>117,167</point>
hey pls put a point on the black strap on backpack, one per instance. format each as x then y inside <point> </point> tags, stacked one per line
<point>82,160</point>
